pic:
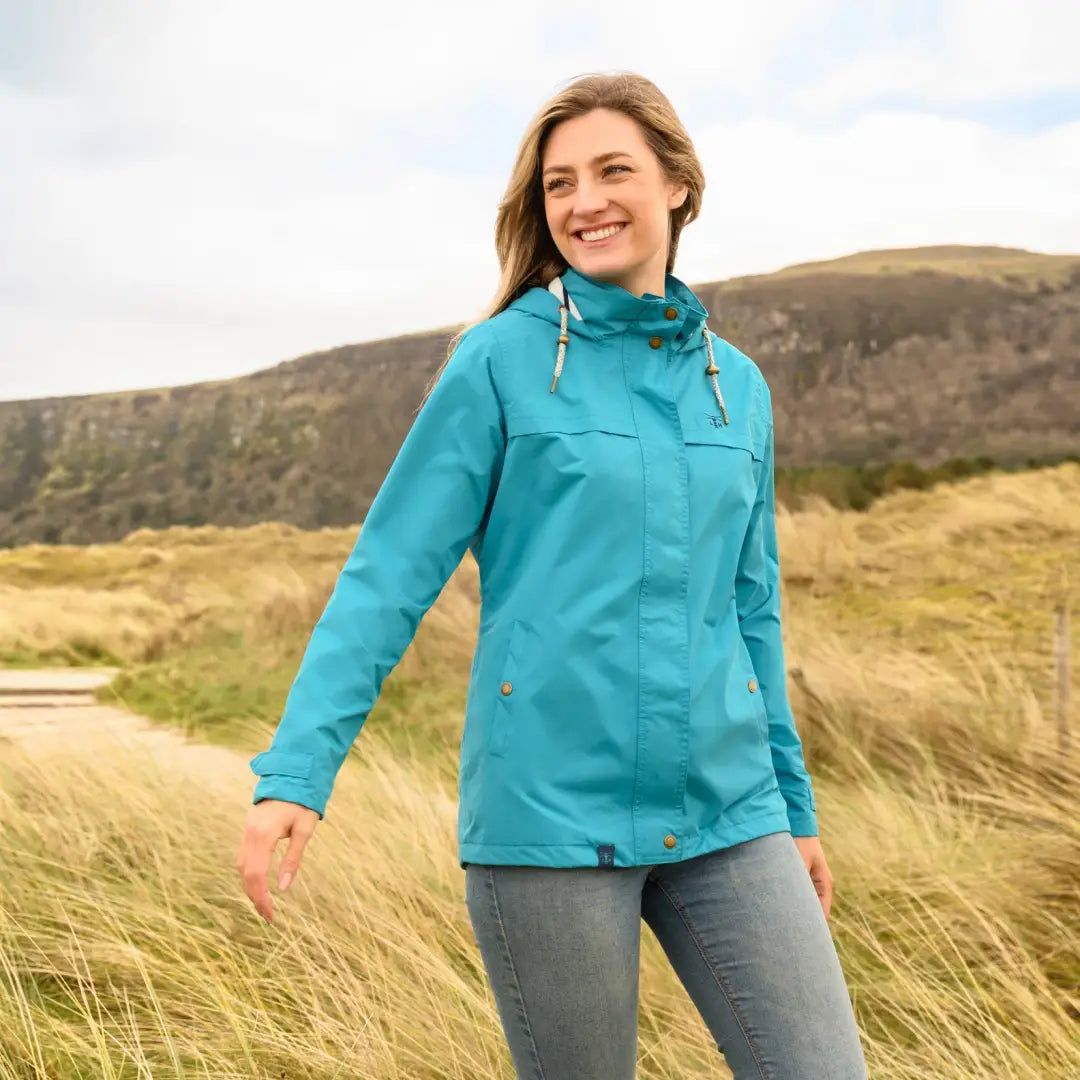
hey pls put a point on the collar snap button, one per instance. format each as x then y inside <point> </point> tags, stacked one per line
<point>670,314</point>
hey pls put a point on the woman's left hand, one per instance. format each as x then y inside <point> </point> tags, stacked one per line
<point>814,858</point>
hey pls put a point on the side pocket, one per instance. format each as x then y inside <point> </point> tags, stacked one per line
<point>506,689</point>
<point>763,724</point>
<point>760,712</point>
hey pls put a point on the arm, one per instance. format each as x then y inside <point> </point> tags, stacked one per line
<point>427,510</point>
<point>757,600</point>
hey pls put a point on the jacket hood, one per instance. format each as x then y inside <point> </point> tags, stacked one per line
<point>583,306</point>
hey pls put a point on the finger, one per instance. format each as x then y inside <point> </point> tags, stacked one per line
<point>290,864</point>
<point>258,850</point>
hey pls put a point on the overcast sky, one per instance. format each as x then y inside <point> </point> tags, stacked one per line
<point>195,189</point>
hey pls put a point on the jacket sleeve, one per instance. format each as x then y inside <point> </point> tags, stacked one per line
<point>757,601</point>
<point>427,511</point>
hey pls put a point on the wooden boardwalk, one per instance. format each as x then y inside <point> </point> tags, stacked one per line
<point>55,711</point>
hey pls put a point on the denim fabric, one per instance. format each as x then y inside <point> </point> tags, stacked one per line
<point>742,927</point>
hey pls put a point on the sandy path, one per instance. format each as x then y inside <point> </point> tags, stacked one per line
<point>53,711</point>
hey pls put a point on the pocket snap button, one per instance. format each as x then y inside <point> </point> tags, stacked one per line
<point>506,688</point>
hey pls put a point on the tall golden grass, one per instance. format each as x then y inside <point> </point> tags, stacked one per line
<point>918,643</point>
<point>154,593</point>
<point>128,949</point>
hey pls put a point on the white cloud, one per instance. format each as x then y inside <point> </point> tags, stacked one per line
<point>979,50</point>
<point>778,194</point>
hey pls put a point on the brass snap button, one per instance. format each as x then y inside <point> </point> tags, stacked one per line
<point>656,342</point>
<point>670,841</point>
<point>670,314</point>
<point>506,688</point>
<point>752,684</point>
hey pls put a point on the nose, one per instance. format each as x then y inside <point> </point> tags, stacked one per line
<point>589,198</point>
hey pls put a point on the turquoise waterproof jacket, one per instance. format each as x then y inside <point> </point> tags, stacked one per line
<point>627,702</point>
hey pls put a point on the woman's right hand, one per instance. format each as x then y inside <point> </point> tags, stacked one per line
<point>268,822</point>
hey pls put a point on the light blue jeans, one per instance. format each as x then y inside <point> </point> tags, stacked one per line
<point>742,927</point>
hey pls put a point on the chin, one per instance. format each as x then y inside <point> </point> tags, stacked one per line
<point>604,269</point>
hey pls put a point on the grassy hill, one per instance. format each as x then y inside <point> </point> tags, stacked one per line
<point>918,639</point>
<point>917,356</point>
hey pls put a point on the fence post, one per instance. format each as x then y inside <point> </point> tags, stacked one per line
<point>1061,658</point>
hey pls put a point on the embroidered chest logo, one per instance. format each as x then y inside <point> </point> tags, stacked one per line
<point>716,421</point>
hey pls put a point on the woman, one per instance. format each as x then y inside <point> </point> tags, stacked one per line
<point>628,751</point>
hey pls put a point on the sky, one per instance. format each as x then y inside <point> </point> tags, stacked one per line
<point>197,189</point>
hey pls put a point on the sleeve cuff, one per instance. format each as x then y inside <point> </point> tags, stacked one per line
<point>802,822</point>
<point>286,775</point>
<point>289,790</point>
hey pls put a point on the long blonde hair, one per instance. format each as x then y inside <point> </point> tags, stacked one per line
<point>527,254</point>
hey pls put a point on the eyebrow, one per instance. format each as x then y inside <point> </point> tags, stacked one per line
<point>595,161</point>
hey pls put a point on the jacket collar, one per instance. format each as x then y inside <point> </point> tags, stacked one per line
<point>599,309</point>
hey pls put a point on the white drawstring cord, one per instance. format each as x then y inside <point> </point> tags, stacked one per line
<point>564,339</point>
<point>711,371</point>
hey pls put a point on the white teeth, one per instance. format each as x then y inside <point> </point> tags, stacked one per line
<point>601,234</point>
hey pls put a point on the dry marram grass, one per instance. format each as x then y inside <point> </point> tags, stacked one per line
<point>918,644</point>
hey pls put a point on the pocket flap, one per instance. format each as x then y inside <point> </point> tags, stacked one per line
<point>569,421</point>
<point>732,435</point>
<point>282,763</point>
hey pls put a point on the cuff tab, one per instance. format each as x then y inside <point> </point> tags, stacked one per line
<point>282,763</point>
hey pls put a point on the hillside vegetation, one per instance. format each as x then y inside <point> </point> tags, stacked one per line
<point>914,358</point>
<point>918,639</point>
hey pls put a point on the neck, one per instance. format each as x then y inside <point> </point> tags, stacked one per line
<point>639,286</point>
<point>642,279</point>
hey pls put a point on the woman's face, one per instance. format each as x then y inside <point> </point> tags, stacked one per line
<point>607,200</point>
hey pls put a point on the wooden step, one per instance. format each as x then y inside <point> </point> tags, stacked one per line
<point>53,681</point>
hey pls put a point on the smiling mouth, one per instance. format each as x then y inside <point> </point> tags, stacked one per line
<point>595,236</point>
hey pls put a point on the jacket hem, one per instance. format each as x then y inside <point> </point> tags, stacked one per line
<point>585,855</point>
